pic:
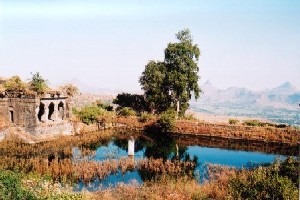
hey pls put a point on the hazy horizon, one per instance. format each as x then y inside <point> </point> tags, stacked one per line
<point>252,44</point>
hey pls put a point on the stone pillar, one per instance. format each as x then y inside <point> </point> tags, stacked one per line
<point>131,146</point>
<point>55,113</point>
<point>64,114</point>
<point>36,114</point>
<point>69,106</point>
<point>45,115</point>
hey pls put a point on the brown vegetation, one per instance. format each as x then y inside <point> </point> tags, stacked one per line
<point>287,134</point>
<point>267,134</point>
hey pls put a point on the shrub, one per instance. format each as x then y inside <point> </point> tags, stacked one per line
<point>11,187</point>
<point>126,111</point>
<point>167,121</point>
<point>145,117</point>
<point>15,84</point>
<point>189,117</point>
<point>253,122</point>
<point>89,114</point>
<point>272,182</point>
<point>290,168</point>
<point>105,106</point>
<point>38,83</point>
<point>69,89</point>
<point>281,126</point>
<point>233,121</point>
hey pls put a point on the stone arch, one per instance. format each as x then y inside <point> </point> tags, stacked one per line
<point>61,110</point>
<point>41,111</point>
<point>51,111</point>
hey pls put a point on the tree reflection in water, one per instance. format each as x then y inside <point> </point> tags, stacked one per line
<point>161,146</point>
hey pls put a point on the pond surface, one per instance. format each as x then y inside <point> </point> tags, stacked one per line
<point>202,150</point>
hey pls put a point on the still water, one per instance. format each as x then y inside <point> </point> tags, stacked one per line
<point>203,150</point>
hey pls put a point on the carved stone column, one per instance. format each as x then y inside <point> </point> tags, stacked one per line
<point>55,113</point>
<point>36,114</point>
<point>45,115</point>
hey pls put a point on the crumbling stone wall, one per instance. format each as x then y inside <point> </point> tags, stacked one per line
<point>45,115</point>
<point>19,112</point>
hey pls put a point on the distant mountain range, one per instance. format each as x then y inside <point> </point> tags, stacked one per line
<point>279,104</point>
<point>281,96</point>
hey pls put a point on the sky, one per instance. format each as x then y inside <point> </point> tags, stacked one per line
<point>249,43</point>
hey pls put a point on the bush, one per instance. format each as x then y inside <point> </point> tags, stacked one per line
<point>38,83</point>
<point>290,169</point>
<point>89,114</point>
<point>11,187</point>
<point>189,117</point>
<point>273,182</point>
<point>15,84</point>
<point>105,106</point>
<point>126,111</point>
<point>167,121</point>
<point>145,117</point>
<point>233,121</point>
<point>69,89</point>
<point>253,122</point>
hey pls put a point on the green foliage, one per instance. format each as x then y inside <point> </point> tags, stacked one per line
<point>166,122</point>
<point>273,182</point>
<point>233,121</point>
<point>11,187</point>
<point>145,117</point>
<point>105,106</point>
<point>133,101</point>
<point>155,84</point>
<point>175,79</point>
<point>89,114</point>
<point>189,117</point>
<point>38,83</point>
<point>69,89</point>
<point>15,84</point>
<point>126,111</point>
<point>253,122</point>
<point>290,168</point>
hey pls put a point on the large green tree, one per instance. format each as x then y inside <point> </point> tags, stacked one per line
<point>170,84</point>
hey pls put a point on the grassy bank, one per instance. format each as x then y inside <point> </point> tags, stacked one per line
<point>267,133</point>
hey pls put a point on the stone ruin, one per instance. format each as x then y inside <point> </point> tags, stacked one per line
<point>48,114</point>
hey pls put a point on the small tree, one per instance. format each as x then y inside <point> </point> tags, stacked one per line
<point>38,83</point>
<point>15,84</point>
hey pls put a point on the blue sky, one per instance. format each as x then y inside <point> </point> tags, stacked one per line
<point>250,43</point>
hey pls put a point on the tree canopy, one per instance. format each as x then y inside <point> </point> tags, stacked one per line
<point>170,84</point>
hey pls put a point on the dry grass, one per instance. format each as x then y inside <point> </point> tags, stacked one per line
<point>170,188</point>
<point>271,134</point>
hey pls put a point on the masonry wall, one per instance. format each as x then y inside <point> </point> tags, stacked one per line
<point>38,116</point>
<point>18,111</point>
